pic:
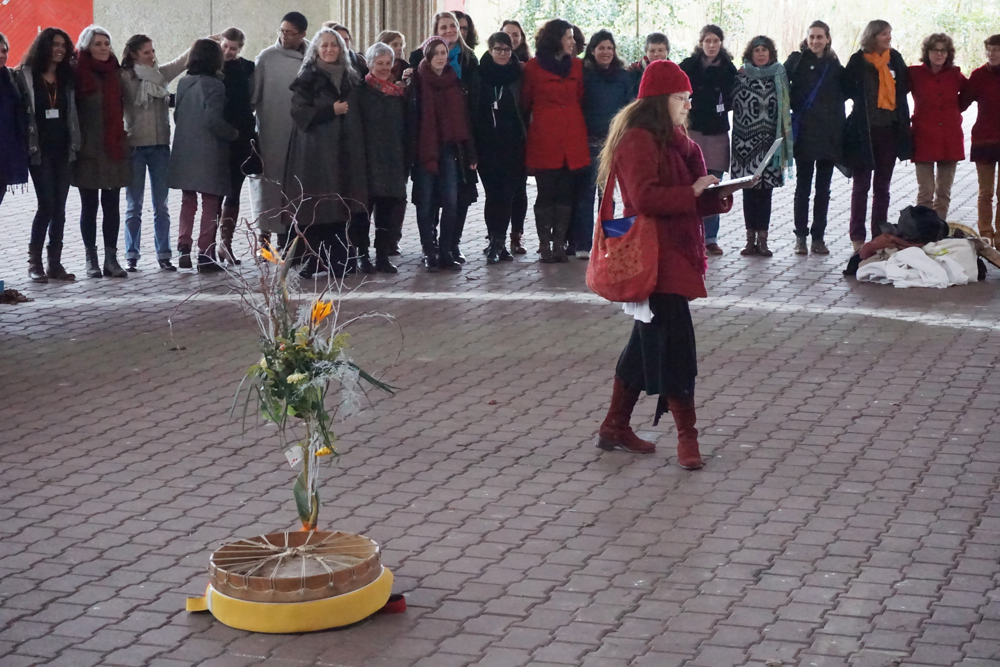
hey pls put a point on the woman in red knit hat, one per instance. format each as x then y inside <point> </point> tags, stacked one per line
<point>662,175</point>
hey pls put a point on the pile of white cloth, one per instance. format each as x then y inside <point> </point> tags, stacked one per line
<point>942,264</point>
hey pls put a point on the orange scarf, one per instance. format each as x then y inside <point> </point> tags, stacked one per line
<point>886,83</point>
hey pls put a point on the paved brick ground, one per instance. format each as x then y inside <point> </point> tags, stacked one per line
<point>849,513</point>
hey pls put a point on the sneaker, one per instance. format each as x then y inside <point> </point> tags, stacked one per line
<point>130,265</point>
<point>582,254</point>
<point>185,261</point>
<point>800,246</point>
<point>166,265</point>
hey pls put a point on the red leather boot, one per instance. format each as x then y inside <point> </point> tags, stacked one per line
<point>688,456</point>
<point>615,432</point>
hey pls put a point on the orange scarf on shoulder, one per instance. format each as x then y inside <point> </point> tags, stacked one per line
<point>886,83</point>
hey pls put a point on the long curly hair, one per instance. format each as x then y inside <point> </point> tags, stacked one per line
<point>39,56</point>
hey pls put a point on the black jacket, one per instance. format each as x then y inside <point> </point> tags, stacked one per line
<point>238,75</point>
<point>821,127</point>
<point>500,133</point>
<point>711,87</point>
<point>384,120</point>
<point>858,152</point>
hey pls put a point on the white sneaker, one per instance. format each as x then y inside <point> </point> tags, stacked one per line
<point>582,254</point>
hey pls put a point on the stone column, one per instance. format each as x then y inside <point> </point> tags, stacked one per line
<point>367,18</point>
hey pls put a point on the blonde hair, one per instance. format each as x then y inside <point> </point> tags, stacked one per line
<point>466,51</point>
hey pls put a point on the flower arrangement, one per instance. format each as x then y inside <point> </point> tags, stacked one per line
<point>304,349</point>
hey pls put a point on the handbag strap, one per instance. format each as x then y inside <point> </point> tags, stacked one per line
<point>607,197</point>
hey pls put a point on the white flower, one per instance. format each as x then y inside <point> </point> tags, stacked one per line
<point>263,363</point>
<point>296,377</point>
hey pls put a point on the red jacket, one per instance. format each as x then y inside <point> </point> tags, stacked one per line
<point>937,115</point>
<point>557,135</point>
<point>984,89</point>
<point>656,181</point>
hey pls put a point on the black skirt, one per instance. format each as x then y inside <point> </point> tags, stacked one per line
<point>660,357</point>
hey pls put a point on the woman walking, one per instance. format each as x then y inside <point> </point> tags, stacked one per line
<point>102,167</point>
<point>557,135</point>
<point>761,114</point>
<point>984,89</point>
<point>13,128</point>
<point>500,135</point>
<point>199,162</point>
<point>147,99</point>
<point>441,149</point>
<point>326,167</point>
<point>815,77</point>
<point>238,112</point>
<point>712,73</point>
<point>938,140</point>
<point>607,88</point>
<point>45,81</point>
<point>383,116</point>
<point>877,132</point>
<point>662,176</point>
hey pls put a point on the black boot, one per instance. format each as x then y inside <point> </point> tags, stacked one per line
<point>543,224</point>
<point>35,269</point>
<point>562,216</point>
<point>207,264</point>
<point>93,266</point>
<point>493,256</point>
<point>383,265</point>
<point>112,269</point>
<point>447,262</point>
<point>184,261</point>
<point>56,270</point>
<point>431,258</point>
<point>365,264</point>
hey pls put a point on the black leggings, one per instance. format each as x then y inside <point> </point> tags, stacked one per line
<point>501,199</point>
<point>519,207</point>
<point>757,208</point>
<point>51,180</point>
<point>110,201</point>
<point>555,187</point>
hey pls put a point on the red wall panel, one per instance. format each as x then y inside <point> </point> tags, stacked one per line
<point>20,20</point>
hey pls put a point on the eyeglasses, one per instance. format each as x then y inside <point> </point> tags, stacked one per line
<point>942,51</point>
<point>502,52</point>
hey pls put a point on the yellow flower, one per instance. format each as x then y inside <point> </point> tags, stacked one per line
<point>270,256</point>
<point>324,451</point>
<point>321,310</point>
<point>295,378</point>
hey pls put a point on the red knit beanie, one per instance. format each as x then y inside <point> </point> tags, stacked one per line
<point>663,77</point>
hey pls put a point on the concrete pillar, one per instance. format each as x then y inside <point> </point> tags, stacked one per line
<point>367,18</point>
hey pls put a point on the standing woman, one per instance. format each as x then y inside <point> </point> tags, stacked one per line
<point>383,116</point>
<point>500,136</point>
<point>607,88</point>
<point>397,42</point>
<point>238,79</point>
<point>13,128</point>
<point>199,162</point>
<point>877,132</point>
<point>938,140</point>
<point>441,150</point>
<point>326,166</point>
<point>45,81</point>
<point>468,29</point>
<point>817,98</point>
<point>984,90</point>
<point>520,206</point>
<point>761,114</point>
<point>465,64</point>
<point>148,126</point>
<point>557,136</point>
<point>712,73</point>
<point>356,59</point>
<point>662,176</point>
<point>102,167</point>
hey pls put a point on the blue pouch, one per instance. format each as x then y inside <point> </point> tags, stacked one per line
<point>617,227</point>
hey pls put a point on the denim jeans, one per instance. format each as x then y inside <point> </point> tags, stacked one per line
<point>821,205</point>
<point>51,180</point>
<point>156,159</point>
<point>712,222</point>
<point>581,230</point>
<point>441,189</point>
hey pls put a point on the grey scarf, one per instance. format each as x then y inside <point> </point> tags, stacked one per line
<point>335,71</point>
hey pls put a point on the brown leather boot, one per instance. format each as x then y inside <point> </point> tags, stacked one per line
<point>762,248</point>
<point>688,456</point>
<point>615,432</point>
<point>751,246</point>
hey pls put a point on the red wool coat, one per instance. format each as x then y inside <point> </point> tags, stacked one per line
<point>656,181</point>
<point>557,134</point>
<point>984,89</point>
<point>936,123</point>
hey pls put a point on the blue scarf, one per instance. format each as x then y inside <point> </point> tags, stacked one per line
<point>454,59</point>
<point>783,156</point>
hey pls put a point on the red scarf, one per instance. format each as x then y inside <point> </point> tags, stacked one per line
<point>443,116</point>
<point>384,87</point>
<point>88,71</point>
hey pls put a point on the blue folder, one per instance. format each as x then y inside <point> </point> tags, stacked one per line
<point>617,227</point>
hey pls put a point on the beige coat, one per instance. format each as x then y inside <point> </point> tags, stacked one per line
<point>149,125</point>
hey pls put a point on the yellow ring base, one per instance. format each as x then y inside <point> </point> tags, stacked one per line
<point>295,617</point>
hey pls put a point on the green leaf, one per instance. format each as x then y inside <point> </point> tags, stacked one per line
<point>302,502</point>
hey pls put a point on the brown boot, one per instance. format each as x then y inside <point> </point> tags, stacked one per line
<point>515,244</point>
<point>227,227</point>
<point>762,248</point>
<point>751,246</point>
<point>615,432</point>
<point>688,456</point>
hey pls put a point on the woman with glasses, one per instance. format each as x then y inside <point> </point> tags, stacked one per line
<point>500,134</point>
<point>984,89</point>
<point>938,141</point>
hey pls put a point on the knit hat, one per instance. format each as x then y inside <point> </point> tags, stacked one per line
<point>663,77</point>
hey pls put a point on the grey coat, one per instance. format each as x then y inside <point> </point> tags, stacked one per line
<point>384,120</point>
<point>199,160</point>
<point>24,81</point>
<point>94,169</point>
